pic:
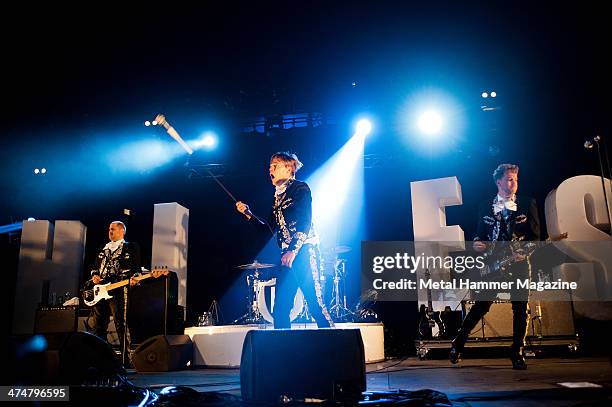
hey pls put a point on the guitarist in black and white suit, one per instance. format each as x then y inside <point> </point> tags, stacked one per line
<point>507,217</point>
<point>118,260</point>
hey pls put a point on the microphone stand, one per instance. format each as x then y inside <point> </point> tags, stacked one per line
<point>259,220</point>
<point>588,145</point>
<point>603,182</point>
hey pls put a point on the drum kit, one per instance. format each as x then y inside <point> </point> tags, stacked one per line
<point>255,285</point>
<point>332,265</point>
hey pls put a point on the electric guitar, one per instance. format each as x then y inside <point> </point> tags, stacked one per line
<point>92,294</point>
<point>429,318</point>
<point>498,267</point>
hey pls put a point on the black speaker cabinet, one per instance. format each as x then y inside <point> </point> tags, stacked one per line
<point>85,358</point>
<point>163,353</point>
<point>74,358</point>
<point>58,319</point>
<point>153,309</point>
<point>303,363</point>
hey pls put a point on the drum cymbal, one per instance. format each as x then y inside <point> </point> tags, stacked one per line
<point>255,265</point>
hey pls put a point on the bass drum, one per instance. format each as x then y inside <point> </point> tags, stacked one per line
<point>262,305</point>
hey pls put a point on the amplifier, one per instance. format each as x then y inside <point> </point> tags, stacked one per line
<point>55,319</point>
<point>546,318</point>
<point>153,309</point>
<point>496,323</point>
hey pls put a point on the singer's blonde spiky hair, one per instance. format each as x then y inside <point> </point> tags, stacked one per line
<point>288,158</point>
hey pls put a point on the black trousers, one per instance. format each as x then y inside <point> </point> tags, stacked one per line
<point>99,318</point>
<point>520,318</point>
<point>304,274</point>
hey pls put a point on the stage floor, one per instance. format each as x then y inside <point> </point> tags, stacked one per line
<point>473,378</point>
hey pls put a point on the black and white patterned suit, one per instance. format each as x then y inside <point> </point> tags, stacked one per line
<point>112,265</point>
<point>497,223</point>
<point>291,221</point>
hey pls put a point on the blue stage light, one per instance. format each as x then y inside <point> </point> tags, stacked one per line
<point>430,122</point>
<point>363,127</point>
<point>142,155</point>
<point>207,141</point>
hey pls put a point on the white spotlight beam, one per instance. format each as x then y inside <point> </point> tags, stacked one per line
<point>161,119</point>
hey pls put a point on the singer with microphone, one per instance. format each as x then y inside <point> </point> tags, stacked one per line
<point>291,221</point>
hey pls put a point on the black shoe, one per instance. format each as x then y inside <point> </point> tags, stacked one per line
<point>518,362</point>
<point>454,355</point>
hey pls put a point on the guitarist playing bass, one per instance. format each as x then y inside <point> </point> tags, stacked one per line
<point>118,260</point>
<point>505,218</point>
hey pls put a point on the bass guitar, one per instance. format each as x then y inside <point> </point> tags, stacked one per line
<point>92,294</point>
<point>499,267</point>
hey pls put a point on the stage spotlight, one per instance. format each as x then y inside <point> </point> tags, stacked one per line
<point>484,95</point>
<point>363,127</point>
<point>36,170</point>
<point>43,171</point>
<point>154,122</point>
<point>207,141</point>
<point>493,94</point>
<point>31,219</point>
<point>147,123</point>
<point>430,122</point>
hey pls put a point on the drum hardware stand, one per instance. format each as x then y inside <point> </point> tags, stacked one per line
<point>253,315</point>
<point>338,309</point>
<point>213,311</point>
<point>304,316</point>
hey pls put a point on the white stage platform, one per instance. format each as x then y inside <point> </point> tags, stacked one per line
<point>221,346</point>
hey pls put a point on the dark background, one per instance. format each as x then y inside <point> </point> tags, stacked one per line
<point>79,81</point>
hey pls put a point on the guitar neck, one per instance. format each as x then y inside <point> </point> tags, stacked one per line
<point>127,281</point>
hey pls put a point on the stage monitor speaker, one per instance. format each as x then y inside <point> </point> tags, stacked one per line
<point>153,309</point>
<point>50,320</point>
<point>85,358</point>
<point>163,353</point>
<point>304,363</point>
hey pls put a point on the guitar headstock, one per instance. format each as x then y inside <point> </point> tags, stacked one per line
<point>160,271</point>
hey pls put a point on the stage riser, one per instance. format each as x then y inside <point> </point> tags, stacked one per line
<point>221,346</point>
